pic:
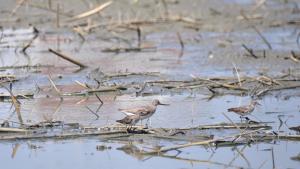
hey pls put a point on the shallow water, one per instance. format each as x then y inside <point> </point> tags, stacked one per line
<point>82,153</point>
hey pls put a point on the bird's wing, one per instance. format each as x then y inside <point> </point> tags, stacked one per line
<point>238,109</point>
<point>134,111</point>
<point>126,120</point>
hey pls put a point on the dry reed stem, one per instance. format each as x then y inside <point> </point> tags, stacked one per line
<point>81,84</point>
<point>54,86</point>
<point>91,12</point>
<point>19,4</point>
<point>9,129</point>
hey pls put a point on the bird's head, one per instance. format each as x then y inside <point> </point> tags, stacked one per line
<point>255,102</point>
<point>157,102</point>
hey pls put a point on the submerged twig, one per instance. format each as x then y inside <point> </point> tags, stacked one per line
<point>133,49</point>
<point>181,44</point>
<point>36,34</point>
<point>94,113</point>
<point>250,51</point>
<point>67,58</point>
<point>273,159</point>
<point>139,35</point>
<point>101,103</point>
<point>257,31</point>
<point>262,37</point>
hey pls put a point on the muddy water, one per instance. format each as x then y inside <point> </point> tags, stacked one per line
<point>211,51</point>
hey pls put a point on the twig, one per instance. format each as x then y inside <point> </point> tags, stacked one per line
<point>133,49</point>
<point>16,104</point>
<point>129,23</point>
<point>263,92</point>
<point>237,74</point>
<point>67,58</point>
<point>243,156</point>
<point>101,103</point>
<point>294,57</point>
<point>232,122</point>
<point>273,160</point>
<point>94,113</point>
<point>57,15</point>
<point>262,164</point>
<point>61,136</point>
<point>20,3</point>
<point>250,51</point>
<point>181,44</point>
<point>9,129</point>
<point>82,85</point>
<point>262,37</point>
<point>209,162</point>
<point>15,149</point>
<point>103,89</point>
<point>162,150</point>
<point>258,32</point>
<point>36,34</point>
<point>54,86</point>
<point>91,12</point>
<point>228,86</point>
<point>139,35</point>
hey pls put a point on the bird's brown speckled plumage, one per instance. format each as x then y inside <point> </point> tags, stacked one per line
<point>244,110</point>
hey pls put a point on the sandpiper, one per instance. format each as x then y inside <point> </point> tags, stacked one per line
<point>140,113</point>
<point>244,110</point>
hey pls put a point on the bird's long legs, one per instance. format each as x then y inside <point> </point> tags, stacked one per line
<point>148,121</point>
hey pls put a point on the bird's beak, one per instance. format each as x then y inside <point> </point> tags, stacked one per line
<point>163,104</point>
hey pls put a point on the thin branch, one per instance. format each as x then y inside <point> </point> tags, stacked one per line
<point>237,74</point>
<point>139,35</point>
<point>20,3</point>
<point>101,103</point>
<point>67,58</point>
<point>91,12</point>
<point>36,34</point>
<point>181,44</point>
<point>94,113</point>
<point>54,86</point>
<point>250,51</point>
<point>262,37</point>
